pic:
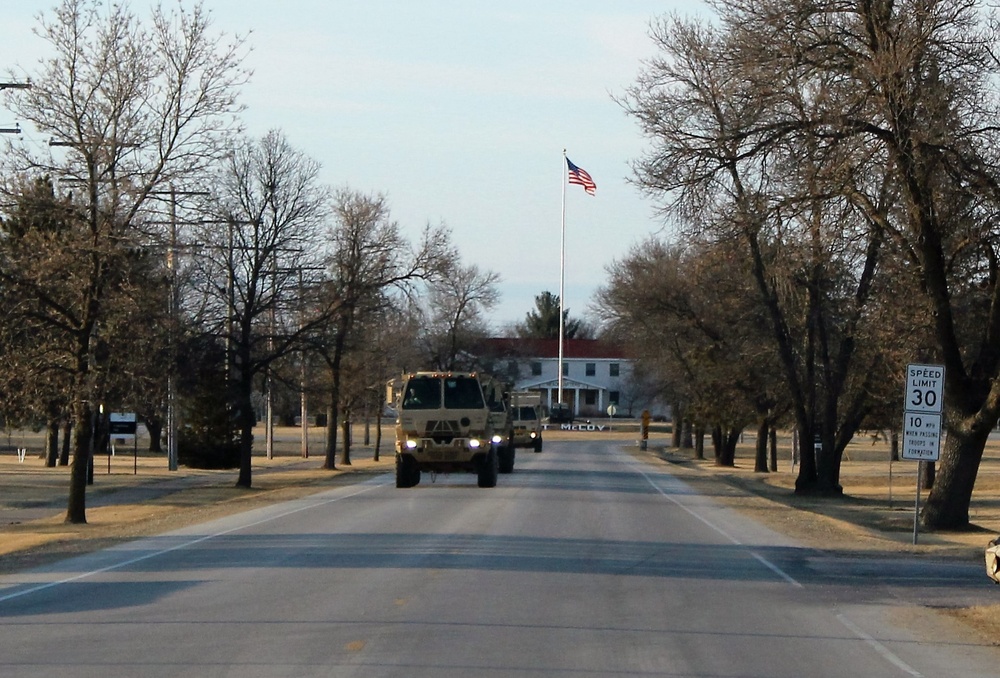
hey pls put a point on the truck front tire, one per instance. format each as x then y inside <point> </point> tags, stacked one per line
<point>407,472</point>
<point>489,469</point>
<point>506,458</point>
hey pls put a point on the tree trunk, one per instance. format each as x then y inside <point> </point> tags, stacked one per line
<point>378,436</point>
<point>368,422</point>
<point>774,449</point>
<point>760,458</point>
<point>52,443</point>
<point>67,438</point>
<point>927,470</point>
<point>947,506</point>
<point>345,459</point>
<point>807,480</point>
<point>330,462</point>
<point>334,405</point>
<point>246,420</point>
<point>245,478</point>
<point>155,427</point>
<point>676,424</point>
<point>686,435</point>
<point>699,443</point>
<point>83,441</point>
<point>726,452</point>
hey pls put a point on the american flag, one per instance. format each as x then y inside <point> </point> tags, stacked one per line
<point>580,177</point>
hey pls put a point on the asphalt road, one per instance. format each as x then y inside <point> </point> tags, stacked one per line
<point>584,562</point>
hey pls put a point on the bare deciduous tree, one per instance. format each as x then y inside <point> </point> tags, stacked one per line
<point>131,108</point>
<point>798,119</point>
<point>370,261</point>
<point>255,261</point>
<point>454,312</point>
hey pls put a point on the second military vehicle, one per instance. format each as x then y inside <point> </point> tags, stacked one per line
<point>526,407</point>
<point>501,419</point>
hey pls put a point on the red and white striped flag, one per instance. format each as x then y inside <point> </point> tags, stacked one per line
<point>580,177</point>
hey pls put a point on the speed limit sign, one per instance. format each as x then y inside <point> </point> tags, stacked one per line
<point>922,419</point>
<point>924,388</point>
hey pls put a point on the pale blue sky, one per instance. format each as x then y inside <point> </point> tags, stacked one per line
<point>457,110</point>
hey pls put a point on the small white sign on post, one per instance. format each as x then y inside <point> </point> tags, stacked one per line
<point>921,436</point>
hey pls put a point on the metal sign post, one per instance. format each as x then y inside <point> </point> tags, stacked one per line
<point>922,421</point>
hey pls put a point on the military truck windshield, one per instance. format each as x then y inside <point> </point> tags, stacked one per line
<point>422,393</point>
<point>462,393</point>
<point>526,413</point>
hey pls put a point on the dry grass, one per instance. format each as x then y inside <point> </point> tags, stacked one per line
<point>33,497</point>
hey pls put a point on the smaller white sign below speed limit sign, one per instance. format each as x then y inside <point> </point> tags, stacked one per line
<point>921,436</point>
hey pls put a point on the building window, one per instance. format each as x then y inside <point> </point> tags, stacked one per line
<point>613,369</point>
<point>591,369</point>
<point>590,397</point>
<point>536,369</point>
<point>613,397</point>
<point>565,369</point>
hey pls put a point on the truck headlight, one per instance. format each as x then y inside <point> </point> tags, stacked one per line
<point>497,439</point>
<point>533,434</point>
<point>411,444</point>
<point>473,443</point>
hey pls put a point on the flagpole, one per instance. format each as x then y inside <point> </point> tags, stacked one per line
<point>562,275</point>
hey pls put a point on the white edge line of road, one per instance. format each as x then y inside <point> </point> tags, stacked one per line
<point>881,649</point>
<point>184,545</point>
<point>763,561</point>
<point>886,653</point>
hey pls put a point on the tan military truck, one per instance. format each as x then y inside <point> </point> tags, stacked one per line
<point>443,425</point>
<point>497,395</point>
<point>526,407</point>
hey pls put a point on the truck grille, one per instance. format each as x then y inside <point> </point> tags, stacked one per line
<point>443,430</point>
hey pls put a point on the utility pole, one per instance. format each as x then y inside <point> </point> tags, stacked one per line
<point>268,377</point>
<point>303,369</point>
<point>303,375</point>
<point>172,454</point>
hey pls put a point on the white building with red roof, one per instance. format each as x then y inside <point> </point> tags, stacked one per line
<point>596,373</point>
